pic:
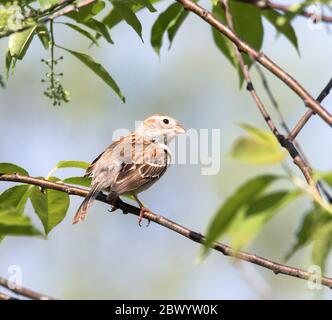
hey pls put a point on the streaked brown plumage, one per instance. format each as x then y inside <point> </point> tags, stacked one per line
<point>133,163</point>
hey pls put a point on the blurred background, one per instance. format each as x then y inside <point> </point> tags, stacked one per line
<point>109,256</point>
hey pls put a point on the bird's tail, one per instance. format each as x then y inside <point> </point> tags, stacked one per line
<point>83,209</point>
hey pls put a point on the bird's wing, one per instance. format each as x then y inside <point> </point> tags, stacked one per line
<point>89,170</point>
<point>105,161</point>
<point>129,164</point>
<point>146,167</point>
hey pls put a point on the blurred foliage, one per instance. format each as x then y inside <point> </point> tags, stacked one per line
<point>244,214</point>
<point>33,18</point>
<point>260,147</point>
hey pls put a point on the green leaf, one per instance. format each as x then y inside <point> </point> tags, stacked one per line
<point>265,202</point>
<point>100,28</point>
<point>2,83</point>
<point>98,69</point>
<point>247,22</point>
<point>260,147</point>
<point>322,245</point>
<point>82,32</point>
<point>175,26</point>
<point>68,164</point>
<point>15,198</point>
<point>81,181</point>
<point>47,3</point>
<point>10,168</point>
<point>231,207</point>
<point>311,225</point>
<point>50,205</point>
<point>327,177</point>
<point>15,224</point>
<point>85,17</point>
<point>44,36</point>
<point>126,12</point>
<point>145,3</point>
<point>8,62</point>
<point>286,29</point>
<point>256,215</point>
<point>223,43</point>
<point>164,20</point>
<point>73,164</point>
<point>87,12</point>
<point>19,42</point>
<point>113,17</point>
<point>4,16</point>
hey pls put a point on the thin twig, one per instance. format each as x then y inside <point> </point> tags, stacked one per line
<point>272,98</point>
<point>53,8</point>
<point>260,57</point>
<point>265,4</point>
<point>171,225</point>
<point>283,123</point>
<point>293,134</point>
<point>52,62</point>
<point>69,9</point>
<point>24,291</point>
<point>286,143</point>
<point>275,104</point>
<point>59,10</point>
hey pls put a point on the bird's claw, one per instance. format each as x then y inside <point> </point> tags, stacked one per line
<point>141,215</point>
<point>113,209</point>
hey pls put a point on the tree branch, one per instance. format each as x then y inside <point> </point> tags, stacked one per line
<point>293,134</point>
<point>241,45</point>
<point>171,225</point>
<point>23,291</point>
<point>284,142</point>
<point>286,127</point>
<point>265,4</point>
<point>260,57</point>
<point>4,296</point>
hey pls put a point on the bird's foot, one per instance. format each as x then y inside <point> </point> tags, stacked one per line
<point>141,215</point>
<point>113,209</point>
<point>112,199</point>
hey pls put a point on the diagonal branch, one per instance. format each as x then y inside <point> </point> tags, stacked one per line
<point>173,226</point>
<point>293,134</point>
<point>23,291</point>
<point>260,57</point>
<point>275,104</point>
<point>284,142</point>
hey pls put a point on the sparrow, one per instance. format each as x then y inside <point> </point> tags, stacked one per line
<point>132,164</point>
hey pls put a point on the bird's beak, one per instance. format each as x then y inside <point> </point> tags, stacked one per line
<point>179,129</point>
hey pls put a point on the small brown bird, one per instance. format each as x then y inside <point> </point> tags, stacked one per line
<point>133,163</point>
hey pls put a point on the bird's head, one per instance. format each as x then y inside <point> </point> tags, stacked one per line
<point>160,128</point>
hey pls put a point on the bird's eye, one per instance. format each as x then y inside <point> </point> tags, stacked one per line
<point>166,121</point>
